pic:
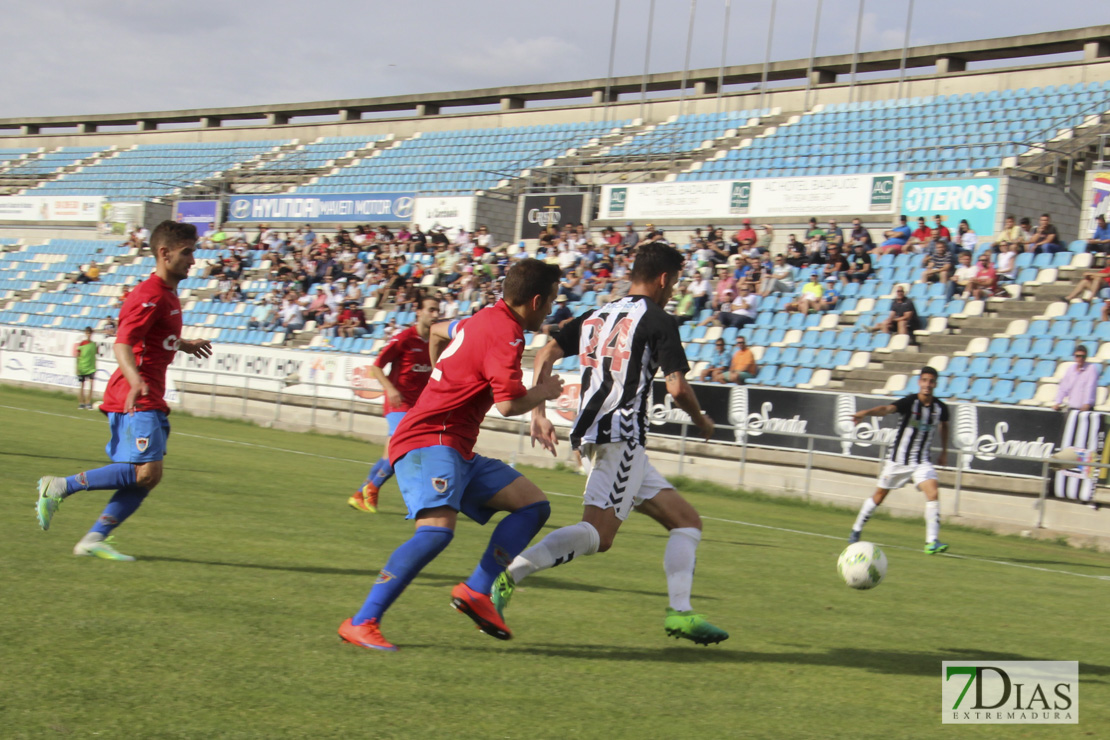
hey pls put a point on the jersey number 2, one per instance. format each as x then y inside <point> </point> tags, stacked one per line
<point>614,345</point>
<point>451,349</point>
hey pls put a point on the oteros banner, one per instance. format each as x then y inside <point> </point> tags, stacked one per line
<point>831,195</point>
<point>449,213</point>
<point>541,211</point>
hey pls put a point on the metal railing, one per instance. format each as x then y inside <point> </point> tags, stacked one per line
<point>318,403</point>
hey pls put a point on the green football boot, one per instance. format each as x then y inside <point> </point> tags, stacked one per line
<point>692,626</point>
<point>90,546</point>
<point>502,592</point>
<point>51,491</point>
<point>934,548</point>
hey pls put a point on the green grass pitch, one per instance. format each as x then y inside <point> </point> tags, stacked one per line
<point>249,558</point>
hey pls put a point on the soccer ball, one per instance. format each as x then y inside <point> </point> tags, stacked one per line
<point>862,565</point>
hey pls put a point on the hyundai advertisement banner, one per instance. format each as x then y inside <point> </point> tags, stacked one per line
<point>975,199</point>
<point>349,208</point>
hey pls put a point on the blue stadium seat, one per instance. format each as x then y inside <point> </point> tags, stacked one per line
<point>1024,391</point>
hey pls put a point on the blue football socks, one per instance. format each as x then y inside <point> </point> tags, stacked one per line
<point>114,476</point>
<point>405,562</point>
<point>509,539</point>
<point>122,505</point>
<point>380,473</point>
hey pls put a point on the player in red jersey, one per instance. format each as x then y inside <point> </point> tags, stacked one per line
<point>409,368</point>
<point>148,338</point>
<point>433,453</point>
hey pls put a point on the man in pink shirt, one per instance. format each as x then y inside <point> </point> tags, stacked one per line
<point>1079,384</point>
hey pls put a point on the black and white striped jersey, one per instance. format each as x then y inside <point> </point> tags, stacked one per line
<point>916,429</point>
<point>620,346</point>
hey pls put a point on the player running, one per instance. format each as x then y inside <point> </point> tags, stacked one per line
<point>146,342</point>
<point>407,354</point>
<point>620,346</point>
<point>909,456</point>
<point>85,352</point>
<point>433,454</point>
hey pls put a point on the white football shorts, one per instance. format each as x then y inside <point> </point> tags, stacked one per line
<point>621,476</point>
<point>895,475</point>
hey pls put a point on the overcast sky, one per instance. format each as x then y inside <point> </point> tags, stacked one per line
<point>100,56</point>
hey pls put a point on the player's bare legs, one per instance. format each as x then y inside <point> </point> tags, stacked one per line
<point>932,516</point>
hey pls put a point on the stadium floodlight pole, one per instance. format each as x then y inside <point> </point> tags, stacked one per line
<point>812,54</point>
<point>724,51</point>
<point>612,59</point>
<point>905,49</point>
<point>855,53</point>
<point>647,58</point>
<point>767,57</point>
<point>686,63</point>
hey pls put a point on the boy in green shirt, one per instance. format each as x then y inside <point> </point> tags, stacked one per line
<point>85,351</point>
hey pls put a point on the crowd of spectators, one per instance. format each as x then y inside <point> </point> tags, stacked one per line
<point>327,278</point>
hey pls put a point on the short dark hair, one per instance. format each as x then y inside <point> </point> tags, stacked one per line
<point>529,278</point>
<point>427,298</point>
<point>653,259</point>
<point>930,370</point>
<point>172,235</point>
<point>88,329</point>
<point>1081,348</point>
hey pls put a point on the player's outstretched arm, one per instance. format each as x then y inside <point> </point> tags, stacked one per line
<point>125,358</point>
<point>439,339</point>
<point>683,395</point>
<point>542,392</point>
<point>875,411</point>
<point>541,429</point>
<point>201,348</point>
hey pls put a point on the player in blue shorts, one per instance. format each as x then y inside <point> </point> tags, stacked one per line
<point>437,470</point>
<point>148,338</point>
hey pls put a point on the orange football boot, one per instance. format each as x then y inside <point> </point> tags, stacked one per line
<point>480,608</point>
<point>367,635</point>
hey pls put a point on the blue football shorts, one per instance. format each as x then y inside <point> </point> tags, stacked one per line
<point>392,419</point>
<point>439,476</point>
<point>140,437</point>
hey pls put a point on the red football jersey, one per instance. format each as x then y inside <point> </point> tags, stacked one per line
<point>407,352</point>
<point>150,321</point>
<point>479,368</point>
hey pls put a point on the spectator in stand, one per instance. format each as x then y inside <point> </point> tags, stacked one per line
<point>781,278</point>
<point>814,230</point>
<point>1010,234</point>
<point>742,366</point>
<point>261,315</point>
<point>232,293</point>
<point>965,237</point>
<point>836,265</point>
<point>1079,385</point>
<point>1092,281</point>
<point>896,238</point>
<point>1027,234</point>
<point>984,284</point>
<point>631,238</point>
<point>684,309</point>
<point>809,296</point>
<point>741,312</point>
<point>702,289</point>
<point>859,265</point>
<point>352,321</point>
<point>940,231</point>
<point>766,239</point>
<point>860,235</point>
<point>718,364</point>
<point>834,234</point>
<point>1100,240</point>
<point>831,296</point>
<point>560,316</point>
<point>319,303</point>
<point>292,315</point>
<point>108,329</point>
<point>745,232</point>
<point>817,249</point>
<point>91,274</point>
<point>902,318</point>
<point>938,266</point>
<point>920,237</point>
<point>1046,240</point>
<point>964,274</point>
<point>795,253</point>
<point>1006,264</point>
